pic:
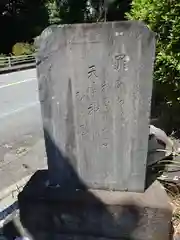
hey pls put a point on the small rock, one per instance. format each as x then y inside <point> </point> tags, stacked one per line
<point>25,166</point>
<point>176,237</point>
<point>7,146</point>
<point>178,150</point>
<point>21,151</point>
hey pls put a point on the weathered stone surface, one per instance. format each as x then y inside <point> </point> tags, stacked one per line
<point>95,83</point>
<point>96,213</point>
<point>43,236</point>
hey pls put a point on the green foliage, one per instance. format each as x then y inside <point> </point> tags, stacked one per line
<point>3,60</point>
<point>53,12</point>
<point>79,11</point>
<point>2,55</point>
<point>72,11</point>
<point>23,49</point>
<point>24,20</point>
<point>109,10</point>
<point>163,17</point>
<point>21,21</point>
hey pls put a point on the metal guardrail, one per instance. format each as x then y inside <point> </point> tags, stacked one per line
<point>9,62</point>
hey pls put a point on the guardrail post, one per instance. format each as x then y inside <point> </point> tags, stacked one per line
<point>15,61</point>
<point>9,61</point>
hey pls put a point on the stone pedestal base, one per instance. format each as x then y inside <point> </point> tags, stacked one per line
<point>55,213</point>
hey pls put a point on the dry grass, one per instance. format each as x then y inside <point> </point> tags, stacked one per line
<point>176,216</point>
<point>176,212</point>
<point>173,191</point>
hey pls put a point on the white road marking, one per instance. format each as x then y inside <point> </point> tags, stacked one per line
<point>16,83</point>
<point>19,109</point>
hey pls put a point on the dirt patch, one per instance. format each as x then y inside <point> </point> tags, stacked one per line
<point>173,190</point>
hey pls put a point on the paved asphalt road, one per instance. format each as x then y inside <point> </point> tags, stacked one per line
<point>20,125</point>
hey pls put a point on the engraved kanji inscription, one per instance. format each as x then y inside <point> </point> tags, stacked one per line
<point>118,83</point>
<point>91,91</point>
<point>121,61</point>
<point>80,96</point>
<point>92,71</point>
<point>92,108</point>
<point>84,129</point>
<point>104,86</point>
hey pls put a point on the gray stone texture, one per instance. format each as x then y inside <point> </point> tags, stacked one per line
<point>51,213</point>
<point>95,83</point>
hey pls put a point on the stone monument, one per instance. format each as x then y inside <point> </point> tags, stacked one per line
<point>95,84</point>
<point>95,91</point>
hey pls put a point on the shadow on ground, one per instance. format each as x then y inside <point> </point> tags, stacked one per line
<point>71,210</point>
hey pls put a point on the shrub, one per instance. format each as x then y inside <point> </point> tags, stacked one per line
<point>3,60</point>
<point>163,17</point>
<point>23,49</point>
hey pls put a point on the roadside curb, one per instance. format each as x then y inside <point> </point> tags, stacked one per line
<point>9,200</point>
<point>17,68</point>
<point>12,191</point>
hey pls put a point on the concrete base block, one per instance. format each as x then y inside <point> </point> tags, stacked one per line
<point>45,236</point>
<point>56,213</point>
